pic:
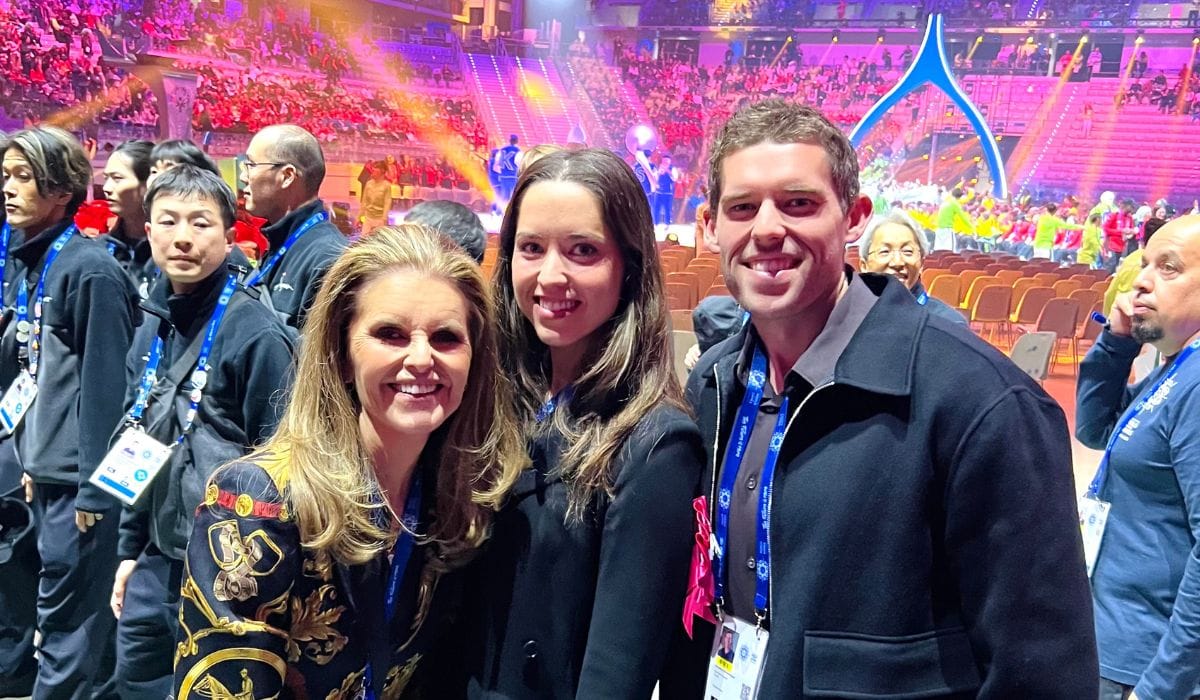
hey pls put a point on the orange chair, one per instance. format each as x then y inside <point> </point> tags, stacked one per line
<point>958,267</point>
<point>1063,288</point>
<point>1008,277</point>
<point>1061,316</point>
<point>947,288</point>
<point>994,268</point>
<point>1045,279</point>
<point>929,273</point>
<point>977,285</point>
<point>704,273</point>
<point>990,309</point>
<point>717,290</point>
<point>680,297</point>
<point>1088,331</point>
<point>1087,298</point>
<point>719,281</point>
<point>1101,287</point>
<point>681,320</point>
<point>1028,308</point>
<point>691,279</point>
<point>705,262</point>
<point>1083,280</point>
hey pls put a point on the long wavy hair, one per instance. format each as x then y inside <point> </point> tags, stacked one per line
<point>628,368</point>
<point>317,451</point>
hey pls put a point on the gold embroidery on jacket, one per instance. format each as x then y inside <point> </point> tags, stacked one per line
<point>189,646</point>
<point>198,676</point>
<point>398,678</point>
<point>313,630</point>
<point>241,559</point>
<point>210,687</point>
<point>351,688</point>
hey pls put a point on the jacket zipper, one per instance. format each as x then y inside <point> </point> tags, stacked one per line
<point>771,501</point>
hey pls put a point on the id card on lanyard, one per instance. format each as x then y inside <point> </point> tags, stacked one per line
<point>261,273</point>
<point>1093,509</point>
<point>740,646</point>
<point>401,554</point>
<point>136,458</point>
<point>19,396</point>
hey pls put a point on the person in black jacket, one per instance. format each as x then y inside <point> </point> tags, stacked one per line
<point>190,229</point>
<point>125,176</point>
<point>921,535</point>
<point>584,578</point>
<point>68,337</point>
<point>282,171</point>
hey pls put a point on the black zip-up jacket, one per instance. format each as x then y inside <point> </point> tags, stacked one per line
<point>88,320</point>
<point>293,282</point>
<point>924,540</point>
<point>240,406</point>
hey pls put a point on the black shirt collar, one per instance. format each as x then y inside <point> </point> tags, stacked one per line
<point>30,251</point>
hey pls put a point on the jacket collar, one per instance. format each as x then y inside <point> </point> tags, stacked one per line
<point>278,232</point>
<point>32,250</point>
<point>880,357</point>
<point>183,311</point>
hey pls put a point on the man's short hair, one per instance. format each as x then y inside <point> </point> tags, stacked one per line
<point>190,182</point>
<point>895,216</point>
<point>783,122</point>
<point>297,147</point>
<point>183,152</point>
<point>58,162</point>
<point>1051,208</point>
<point>1152,225</point>
<point>454,221</point>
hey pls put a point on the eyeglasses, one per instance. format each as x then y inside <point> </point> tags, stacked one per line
<point>886,254</point>
<point>249,165</point>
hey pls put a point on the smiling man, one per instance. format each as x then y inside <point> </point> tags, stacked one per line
<point>211,362</point>
<point>1146,580</point>
<point>893,245</point>
<point>881,526</point>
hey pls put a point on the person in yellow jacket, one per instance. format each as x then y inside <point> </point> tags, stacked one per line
<point>1089,248</point>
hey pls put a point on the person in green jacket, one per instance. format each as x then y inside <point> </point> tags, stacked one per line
<point>950,219</point>
<point>1048,226</point>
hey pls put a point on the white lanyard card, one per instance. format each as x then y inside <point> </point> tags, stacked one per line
<point>1093,516</point>
<point>131,465</point>
<point>735,666</point>
<point>17,400</point>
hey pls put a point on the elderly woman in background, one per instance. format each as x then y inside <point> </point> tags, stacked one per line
<point>314,565</point>
<point>893,244</point>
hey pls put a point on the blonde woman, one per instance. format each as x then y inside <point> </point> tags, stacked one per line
<point>314,565</point>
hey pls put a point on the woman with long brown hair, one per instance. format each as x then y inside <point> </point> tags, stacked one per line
<point>582,585</point>
<point>314,565</point>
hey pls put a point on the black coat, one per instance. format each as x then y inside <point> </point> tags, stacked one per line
<point>585,610</point>
<point>292,284</point>
<point>924,538</point>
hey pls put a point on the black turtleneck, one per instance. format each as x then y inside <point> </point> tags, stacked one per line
<point>185,314</point>
<point>28,255</point>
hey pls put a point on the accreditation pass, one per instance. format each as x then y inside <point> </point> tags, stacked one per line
<point>130,465</point>
<point>736,663</point>
<point>17,400</point>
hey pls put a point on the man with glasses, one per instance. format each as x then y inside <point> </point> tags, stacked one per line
<point>282,171</point>
<point>893,245</point>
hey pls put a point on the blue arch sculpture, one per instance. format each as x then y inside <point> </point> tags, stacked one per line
<point>930,66</point>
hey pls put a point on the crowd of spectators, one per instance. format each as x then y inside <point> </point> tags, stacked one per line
<point>247,100</point>
<point>50,59</point>
<point>418,171</point>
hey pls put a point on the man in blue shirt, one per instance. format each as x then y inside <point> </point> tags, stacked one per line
<point>664,192</point>
<point>1146,581</point>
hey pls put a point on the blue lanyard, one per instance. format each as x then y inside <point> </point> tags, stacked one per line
<point>922,298</point>
<point>743,427</point>
<point>5,237</point>
<point>265,268</point>
<point>547,408</point>
<point>400,557</point>
<point>1098,481</point>
<point>112,248</point>
<point>199,375</point>
<point>33,327</point>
